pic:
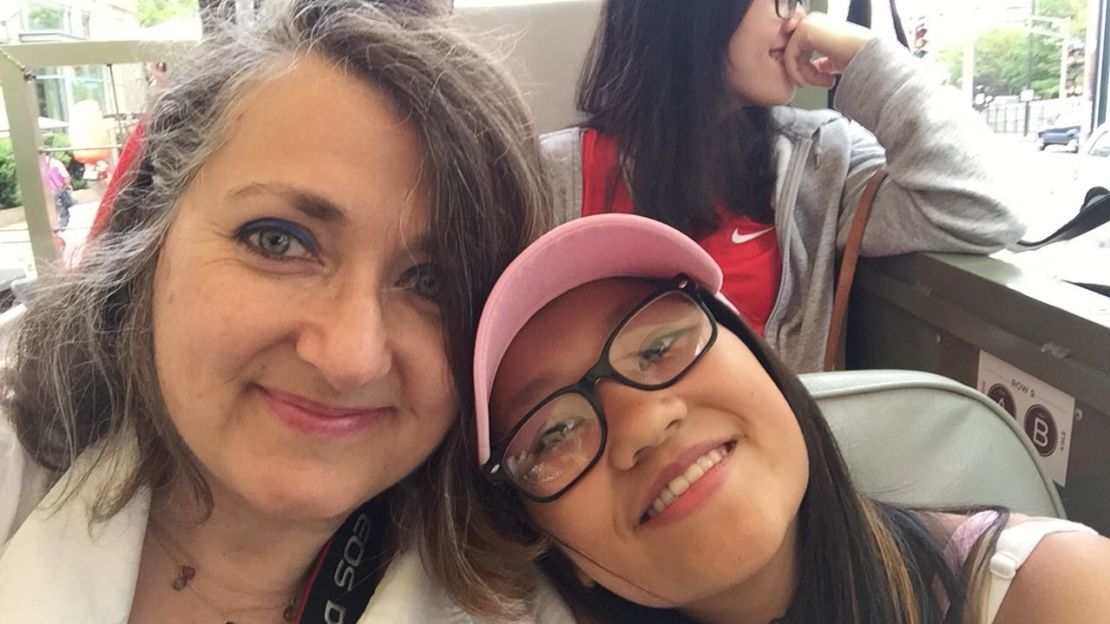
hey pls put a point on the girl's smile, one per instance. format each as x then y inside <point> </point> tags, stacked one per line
<point>694,481</point>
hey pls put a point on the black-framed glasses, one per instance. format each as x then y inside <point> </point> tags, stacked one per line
<point>785,9</point>
<point>557,442</point>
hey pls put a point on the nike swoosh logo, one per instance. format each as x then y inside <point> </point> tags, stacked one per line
<point>739,239</point>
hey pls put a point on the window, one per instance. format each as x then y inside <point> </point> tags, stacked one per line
<point>88,84</point>
<point>1062,44</point>
<point>1028,68</point>
<point>50,85</point>
<point>47,17</point>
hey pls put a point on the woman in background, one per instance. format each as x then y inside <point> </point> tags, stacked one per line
<point>687,122</point>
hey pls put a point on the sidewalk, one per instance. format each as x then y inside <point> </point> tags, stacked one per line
<point>15,242</point>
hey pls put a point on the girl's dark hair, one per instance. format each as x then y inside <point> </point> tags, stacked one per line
<point>889,565</point>
<point>655,82</point>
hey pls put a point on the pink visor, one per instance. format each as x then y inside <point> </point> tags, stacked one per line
<point>579,252</point>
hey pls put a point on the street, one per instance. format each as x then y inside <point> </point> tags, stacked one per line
<point>15,245</point>
<point>1050,194</point>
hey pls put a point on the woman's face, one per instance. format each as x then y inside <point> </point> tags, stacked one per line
<point>754,67</point>
<point>297,342</point>
<point>730,525</point>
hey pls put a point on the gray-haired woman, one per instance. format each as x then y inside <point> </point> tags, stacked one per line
<point>219,415</point>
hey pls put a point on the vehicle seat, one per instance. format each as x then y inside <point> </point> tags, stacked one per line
<point>544,44</point>
<point>920,439</point>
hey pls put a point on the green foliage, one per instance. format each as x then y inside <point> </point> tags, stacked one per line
<point>1074,9</point>
<point>1002,63</point>
<point>952,59</point>
<point>151,12</point>
<point>9,187</point>
<point>1002,56</point>
<point>46,18</point>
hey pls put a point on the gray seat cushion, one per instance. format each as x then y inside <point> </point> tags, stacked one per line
<point>921,439</point>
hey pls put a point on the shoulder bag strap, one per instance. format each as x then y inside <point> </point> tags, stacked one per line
<point>847,273</point>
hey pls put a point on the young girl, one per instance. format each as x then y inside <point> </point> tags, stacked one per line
<point>686,124</point>
<point>667,465</point>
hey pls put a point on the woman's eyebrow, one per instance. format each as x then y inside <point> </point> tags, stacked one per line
<point>310,204</point>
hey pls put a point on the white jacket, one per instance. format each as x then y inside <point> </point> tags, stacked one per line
<point>54,570</point>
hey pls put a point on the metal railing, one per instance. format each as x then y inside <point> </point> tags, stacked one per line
<point>17,79</point>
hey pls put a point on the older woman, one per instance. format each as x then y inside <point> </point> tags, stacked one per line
<point>217,414</point>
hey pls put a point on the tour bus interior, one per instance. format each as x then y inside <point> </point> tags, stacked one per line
<point>1029,329</point>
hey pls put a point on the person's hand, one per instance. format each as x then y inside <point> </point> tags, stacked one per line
<point>821,47</point>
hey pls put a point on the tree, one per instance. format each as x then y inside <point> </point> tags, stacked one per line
<point>9,186</point>
<point>1002,63</point>
<point>151,12</point>
<point>1002,55</point>
<point>1076,10</point>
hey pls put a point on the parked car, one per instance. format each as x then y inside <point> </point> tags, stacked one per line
<point>1060,134</point>
<point>1094,161</point>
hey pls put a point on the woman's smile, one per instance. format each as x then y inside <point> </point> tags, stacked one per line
<point>313,418</point>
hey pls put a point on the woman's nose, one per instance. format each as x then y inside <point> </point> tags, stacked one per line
<point>638,421</point>
<point>347,339</point>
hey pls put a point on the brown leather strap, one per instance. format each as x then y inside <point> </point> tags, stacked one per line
<point>848,268</point>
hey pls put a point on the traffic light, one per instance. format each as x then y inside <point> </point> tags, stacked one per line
<point>920,40</point>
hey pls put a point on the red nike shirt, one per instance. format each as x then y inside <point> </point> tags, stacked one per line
<point>747,251</point>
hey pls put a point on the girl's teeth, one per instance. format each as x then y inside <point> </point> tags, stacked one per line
<point>695,471</point>
<point>679,486</point>
<point>681,483</point>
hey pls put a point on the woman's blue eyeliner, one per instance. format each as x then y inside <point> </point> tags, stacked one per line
<point>299,233</point>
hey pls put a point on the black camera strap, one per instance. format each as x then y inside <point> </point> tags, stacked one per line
<point>348,569</point>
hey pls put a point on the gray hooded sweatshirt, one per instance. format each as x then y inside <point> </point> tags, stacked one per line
<point>945,191</point>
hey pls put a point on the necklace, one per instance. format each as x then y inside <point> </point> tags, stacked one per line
<point>187,573</point>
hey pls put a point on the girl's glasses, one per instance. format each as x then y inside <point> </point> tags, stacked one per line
<point>785,9</point>
<point>557,442</point>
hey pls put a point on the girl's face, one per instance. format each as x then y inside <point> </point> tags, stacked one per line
<point>297,338</point>
<point>728,527</point>
<point>755,70</point>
